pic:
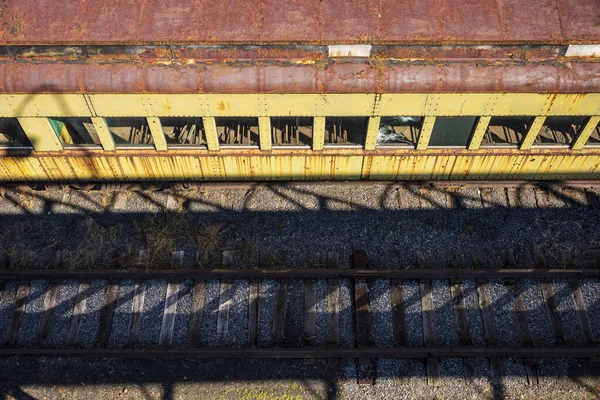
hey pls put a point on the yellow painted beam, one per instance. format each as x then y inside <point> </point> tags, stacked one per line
<point>318,133</point>
<point>43,105</point>
<point>586,132</point>
<point>264,132</point>
<point>372,131</point>
<point>532,133</point>
<point>103,133</point>
<point>425,134</point>
<point>206,105</point>
<point>210,129</point>
<point>480,130</point>
<point>41,134</point>
<point>157,133</point>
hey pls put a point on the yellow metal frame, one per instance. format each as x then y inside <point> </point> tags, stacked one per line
<point>532,133</point>
<point>318,133</point>
<point>425,134</point>
<point>585,134</point>
<point>371,162</point>
<point>276,105</point>
<point>41,134</point>
<point>264,132</point>
<point>160,142</point>
<point>372,131</point>
<point>210,129</point>
<point>104,134</point>
<point>480,130</point>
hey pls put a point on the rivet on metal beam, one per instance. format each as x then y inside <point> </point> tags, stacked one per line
<point>264,132</point>
<point>425,134</point>
<point>210,128</point>
<point>372,131</point>
<point>104,134</point>
<point>318,133</point>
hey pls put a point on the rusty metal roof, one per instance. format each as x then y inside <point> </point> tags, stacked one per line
<point>67,22</point>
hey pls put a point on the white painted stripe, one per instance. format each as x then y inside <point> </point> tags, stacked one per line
<point>352,50</point>
<point>583,50</point>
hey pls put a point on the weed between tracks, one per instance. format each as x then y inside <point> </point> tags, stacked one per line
<point>148,243</point>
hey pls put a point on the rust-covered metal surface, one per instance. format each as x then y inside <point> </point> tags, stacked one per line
<point>321,76</point>
<point>299,21</point>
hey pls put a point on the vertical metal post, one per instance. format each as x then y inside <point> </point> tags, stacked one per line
<point>104,134</point>
<point>40,133</point>
<point>480,130</point>
<point>318,133</point>
<point>264,132</point>
<point>532,133</point>
<point>425,134</point>
<point>372,130</point>
<point>586,132</point>
<point>210,128</point>
<point>157,133</point>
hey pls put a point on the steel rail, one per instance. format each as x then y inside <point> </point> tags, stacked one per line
<point>312,273</point>
<point>290,353</point>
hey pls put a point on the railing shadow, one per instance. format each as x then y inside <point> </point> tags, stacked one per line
<point>397,226</point>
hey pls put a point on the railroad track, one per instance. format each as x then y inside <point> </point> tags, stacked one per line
<point>359,314</point>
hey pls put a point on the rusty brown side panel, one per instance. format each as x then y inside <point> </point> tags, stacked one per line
<point>306,21</point>
<point>376,76</point>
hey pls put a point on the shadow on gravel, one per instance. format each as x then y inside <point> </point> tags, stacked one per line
<point>29,378</point>
<point>294,227</point>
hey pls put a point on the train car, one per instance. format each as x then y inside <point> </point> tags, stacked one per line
<point>299,90</point>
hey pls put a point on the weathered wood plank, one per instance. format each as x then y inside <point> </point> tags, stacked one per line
<point>365,374</point>
<point>429,333</point>
<point>460,312</point>
<point>582,315</point>
<point>137,307</point>
<point>280,311</point>
<point>558,331</point>
<point>398,313</point>
<point>78,311</point>
<point>169,311</point>
<point>513,197</point>
<point>12,334</point>
<point>223,312</point>
<point>428,313</point>
<point>108,312</point>
<point>197,312</point>
<point>333,313</point>
<point>48,311</point>
<point>489,327</point>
